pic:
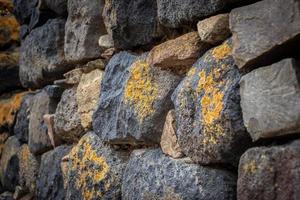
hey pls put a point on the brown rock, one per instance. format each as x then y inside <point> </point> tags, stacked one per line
<point>168,141</point>
<point>178,54</point>
<point>87,96</point>
<point>214,30</point>
<point>9,30</point>
<point>3,138</point>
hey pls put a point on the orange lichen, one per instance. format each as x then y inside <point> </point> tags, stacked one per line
<point>83,156</point>
<point>140,90</point>
<point>250,167</point>
<point>12,25</point>
<point>221,51</point>
<point>9,108</point>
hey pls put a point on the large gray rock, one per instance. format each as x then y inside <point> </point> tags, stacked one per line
<point>134,100</point>
<point>50,183</point>
<point>38,139</point>
<point>67,123</point>
<point>131,23</point>
<point>209,120</point>
<point>94,170</point>
<point>264,32</point>
<point>152,175</point>
<point>23,10</point>
<point>267,173</point>
<point>22,119</point>
<point>178,13</point>
<point>83,28</point>
<point>270,100</point>
<point>9,167</point>
<point>42,57</point>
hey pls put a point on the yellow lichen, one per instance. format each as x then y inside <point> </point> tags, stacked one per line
<point>221,51</point>
<point>250,167</point>
<point>81,163</point>
<point>140,90</point>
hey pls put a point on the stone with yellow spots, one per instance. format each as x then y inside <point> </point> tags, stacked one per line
<point>209,120</point>
<point>50,183</point>
<point>28,168</point>
<point>134,101</point>
<point>270,173</point>
<point>94,170</point>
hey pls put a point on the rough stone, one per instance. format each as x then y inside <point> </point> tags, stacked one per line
<point>42,57</point>
<point>270,100</point>
<point>19,192</point>
<point>214,30</point>
<point>9,71</point>
<point>87,96</point>
<point>152,175</point>
<point>9,31</point>
<point>49,121</point>
<point>38,139</point>
<point>3,138</point>
<point>6,5</point>
<point>9,164</point>
<point>179,13</point>
<point>22,119</point>
<point>50,180</point>
<point>67,124</point>
<point>209,121</point>
<point>83,28</point>
<point>57,6</point>
<point>95,170</point>
<point>106,42</point>
<point>134,99</point>
<point>267,173</point>
<point>23,10</point>
<point>9,106</point>
<point>178,55</point>
<point>168,141</point>
<point>6,196</point>
<point>39,18</point>
<point>265,32</point>
<point>28,168</point>
<point>132,23</point>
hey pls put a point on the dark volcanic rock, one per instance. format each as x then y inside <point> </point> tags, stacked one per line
<point>9,167</point>
<point>83,28</point>
<point>209,121</point>
<point>67,123</point>
<point>9,71</point>
<point>178,13</point>
<point>22,119</point>
<point>265,31</point>
<point>94,170</point>
<point>42,56</point>
<point>268,173</point>
<point>38,139</point>
<point>134,100</point>
<point>50,183</point>
<point>270,100</point>
<point>152,175</point>
<point>131,23</point>
<point>23,10</point>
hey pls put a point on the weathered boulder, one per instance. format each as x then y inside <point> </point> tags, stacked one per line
<point>270,100</point>
<point>9,106</point>
<point>67,124</point>
<point>42,57</point>
<point>168,140</point>
<point>132,23</point>
<point>209,121</point>
<point>265,32</point>
<point>9,167</point>
<point>23,10</point>
<point>95,170</point>
<point>44,103</point>
<point>105,42</point>
<point>57,6</point>
<point>83,28</point>
<point>9,71</point>
<point>179,13</point>
<point>267,173</point>
<point>28,168</point>
<point>87,96</point>
<point>9,31</point>
<point>22,119</point>
<point>152,175</point>
<point>214,30</point>
<point>50,179</point>
<point>134,99</point>
<point>178,55</point>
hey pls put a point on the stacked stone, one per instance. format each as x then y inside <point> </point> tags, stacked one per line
<point>143,99</point>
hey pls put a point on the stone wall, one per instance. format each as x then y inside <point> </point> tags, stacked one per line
<point>150,99</point>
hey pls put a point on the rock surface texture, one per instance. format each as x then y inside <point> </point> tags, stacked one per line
<point>270,100</point>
